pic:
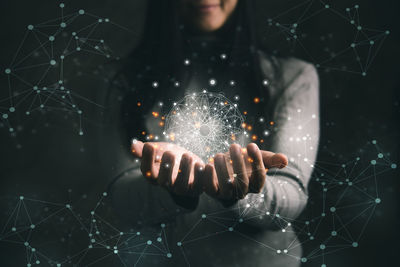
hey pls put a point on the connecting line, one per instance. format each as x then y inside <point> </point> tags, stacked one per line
<point>141,254</point>
<point>54,38</point>
<point>191,229</point>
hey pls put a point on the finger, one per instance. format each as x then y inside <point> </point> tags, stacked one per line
<point>198,177</point>
<point>136,148</point>
<point>224,183</point>
<point>181,184</point>
<point>147,163</point>
<point>241,180</point>
<point>273,160</point>
<point>166,168</point>
<point>257,178</point>
<point>159,148</point>
<point>209,181</point>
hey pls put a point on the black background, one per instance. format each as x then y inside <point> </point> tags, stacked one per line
<point>48,157</point>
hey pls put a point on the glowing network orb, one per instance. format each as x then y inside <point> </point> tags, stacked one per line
<point>204,123</point>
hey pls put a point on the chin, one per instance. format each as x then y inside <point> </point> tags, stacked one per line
<point>209,26</point>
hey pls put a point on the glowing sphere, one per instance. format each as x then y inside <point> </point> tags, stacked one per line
<point>204,123</point>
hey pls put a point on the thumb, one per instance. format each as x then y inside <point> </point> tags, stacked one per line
<point>274,160</point>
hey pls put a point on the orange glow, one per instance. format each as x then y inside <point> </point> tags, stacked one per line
<point>233,137</point>
<point>249,127</point>
<point>172,137</point>
<point>226,103</point>
<point>250,160</point>
<point>245,112</point>
<point>256,100</point>
<point>271,123</point>
<point>143,133</point>
<point>262,140</point>
<point>151,136</point>
<point>139,104</point>
<point>254,137</point>
<point>211,160</point>
<point>148,174</point>
<point>161,123</point>
<point>244,125</point>
<point>244,150</point>
<point>179,170</point>
<point>163,117</point>
<point>155,114</point>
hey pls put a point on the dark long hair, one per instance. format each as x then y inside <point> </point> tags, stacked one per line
<point>160,54</point>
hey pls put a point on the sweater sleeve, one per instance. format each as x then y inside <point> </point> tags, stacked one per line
<point>284,195</point>
<point>295,134</point>
<point>135,200</point>
<point>140,203</point>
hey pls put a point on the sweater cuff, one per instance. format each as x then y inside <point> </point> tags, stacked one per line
<point>186,202</point>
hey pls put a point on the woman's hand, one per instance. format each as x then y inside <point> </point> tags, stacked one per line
<point>240,171</point>
<point>169,166</point>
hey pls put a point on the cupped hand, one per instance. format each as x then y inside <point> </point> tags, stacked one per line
<point>169,166</point>
<point>240,171</point>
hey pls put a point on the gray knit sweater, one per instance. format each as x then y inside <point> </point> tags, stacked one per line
<point>256,231</point>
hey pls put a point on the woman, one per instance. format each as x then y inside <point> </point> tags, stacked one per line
<point>242,216</point>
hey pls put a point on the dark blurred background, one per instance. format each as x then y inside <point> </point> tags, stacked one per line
<point>46,158</point>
